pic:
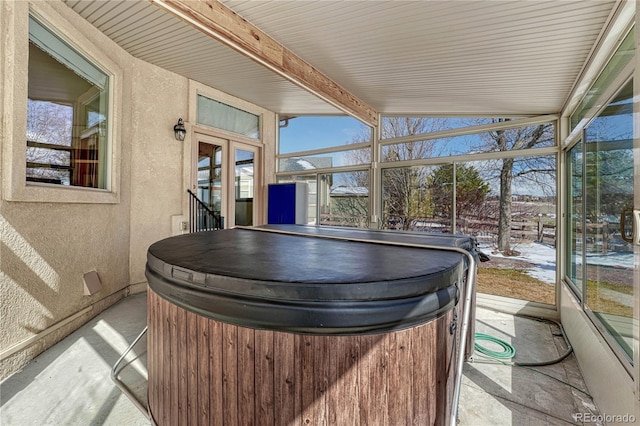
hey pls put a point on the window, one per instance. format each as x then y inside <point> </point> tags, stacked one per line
<point>415,199</point>
<point>510,135</point>
<point>574,209</point>
<point>344,198</point>
<point>609,196</point>
<point>601,188</point>
<point>325,160</point>
<point>403,126</point>
<point>613,69</point>
<point>222,116</point>
<point>508,205</point>
<point>313,133</point>
<point>67,114</point>
<point>333,155</point>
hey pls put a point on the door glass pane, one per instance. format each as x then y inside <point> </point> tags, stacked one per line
<point>210,175</point>
<point>608,193</point>
<point>244,187</point>
<point>575,218</point>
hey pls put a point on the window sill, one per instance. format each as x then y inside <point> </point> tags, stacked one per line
<point>51,193</point>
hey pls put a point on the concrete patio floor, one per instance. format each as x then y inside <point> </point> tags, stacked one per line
<point>70,383</point>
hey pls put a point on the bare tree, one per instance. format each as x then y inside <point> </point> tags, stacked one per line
<point>49,124</point>
<point>534,168</point>
<point>406,195</point>
<point>407,190</point>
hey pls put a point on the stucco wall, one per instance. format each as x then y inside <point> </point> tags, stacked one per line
<point>157,189</point>
<point>51,237</point>
<point>47,247</point>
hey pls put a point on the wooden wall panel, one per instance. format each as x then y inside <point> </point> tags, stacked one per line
<point>181,366</point>
<point>265,377</point>
<point>152,383</point>
<point>204,375</point>
<point>229,375</point>
<point>175,364</point>
<point>374,379</point>
<point>204,372</point>
<point>215,366</point>
<point>192,368</point>
<point>246,376</point>
<point>287,396</point>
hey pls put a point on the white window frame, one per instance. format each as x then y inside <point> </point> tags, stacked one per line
<point>14,105</point>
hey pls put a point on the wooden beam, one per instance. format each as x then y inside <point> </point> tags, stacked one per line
<point>220,22</point>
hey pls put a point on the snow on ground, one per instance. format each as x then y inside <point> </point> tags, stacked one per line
<point>543,256</point>
<point>618,259</point>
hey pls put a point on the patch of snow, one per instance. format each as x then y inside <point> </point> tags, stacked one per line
<point>306,165</point>
<point>619,259</point>
<point>543,257</point>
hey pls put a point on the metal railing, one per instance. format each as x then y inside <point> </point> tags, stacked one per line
<point>201,217</point>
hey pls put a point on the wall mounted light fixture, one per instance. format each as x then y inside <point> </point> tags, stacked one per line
<point>179,130</point>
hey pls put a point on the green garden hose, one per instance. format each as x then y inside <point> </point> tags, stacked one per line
<point>508,350</point>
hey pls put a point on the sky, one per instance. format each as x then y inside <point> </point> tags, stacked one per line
<point>305,133</point>
<point>308,133</point>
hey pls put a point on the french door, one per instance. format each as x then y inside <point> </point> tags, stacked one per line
<point>226,179</point>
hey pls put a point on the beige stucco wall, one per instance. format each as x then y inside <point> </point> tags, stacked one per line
<point>48,247</point>
<point>50,237</point>
<point>160,98</point>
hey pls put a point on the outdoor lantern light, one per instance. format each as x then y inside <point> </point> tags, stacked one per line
<point>179,130</point>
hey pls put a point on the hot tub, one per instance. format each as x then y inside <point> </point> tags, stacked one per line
<point>286,324</point>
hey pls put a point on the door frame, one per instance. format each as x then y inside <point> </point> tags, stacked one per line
<point>193,175</point>
<point>257,184</point>
<point>229,144</point>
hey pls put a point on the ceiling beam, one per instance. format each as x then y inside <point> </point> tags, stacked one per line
<point>220,22</point>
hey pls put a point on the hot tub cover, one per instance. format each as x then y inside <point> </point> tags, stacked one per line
<point>302,279</point>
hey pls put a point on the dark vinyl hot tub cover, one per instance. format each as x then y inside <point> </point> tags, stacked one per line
<point>310,279</point>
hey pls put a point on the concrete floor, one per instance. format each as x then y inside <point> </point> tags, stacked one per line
<point>70,383</point>
<point>497,394</point>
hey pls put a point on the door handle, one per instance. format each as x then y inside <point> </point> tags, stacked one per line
<point>633,235</point>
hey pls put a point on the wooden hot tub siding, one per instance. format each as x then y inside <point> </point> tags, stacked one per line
<point>205,372</point>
